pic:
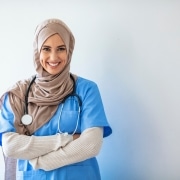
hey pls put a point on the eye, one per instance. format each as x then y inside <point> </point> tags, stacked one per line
<point>46,49</point>
<point>62,48</point>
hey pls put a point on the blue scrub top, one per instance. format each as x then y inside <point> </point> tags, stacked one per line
<point>92,115</point>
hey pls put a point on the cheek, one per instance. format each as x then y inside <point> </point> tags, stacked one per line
<point>41,58</point>
<point>65,61</point>
<point>65,58</point>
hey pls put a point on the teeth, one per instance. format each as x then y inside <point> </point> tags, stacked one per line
<point>53,64</point>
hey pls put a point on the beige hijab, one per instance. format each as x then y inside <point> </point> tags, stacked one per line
<point>48,90</point>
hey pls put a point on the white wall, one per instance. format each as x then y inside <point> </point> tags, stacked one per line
<point>132,50</point>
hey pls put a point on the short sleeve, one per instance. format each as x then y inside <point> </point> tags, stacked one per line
<point>6,117</point>
<point>92,114</point>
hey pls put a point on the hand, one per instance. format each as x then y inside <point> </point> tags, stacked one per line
<point>75,136</point>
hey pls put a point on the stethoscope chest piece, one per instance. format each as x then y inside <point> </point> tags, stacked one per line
<point>26,119</point>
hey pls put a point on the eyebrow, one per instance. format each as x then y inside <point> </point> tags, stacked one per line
<point>50,46</point>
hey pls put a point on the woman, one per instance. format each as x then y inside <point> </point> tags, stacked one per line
<point>54,122</point>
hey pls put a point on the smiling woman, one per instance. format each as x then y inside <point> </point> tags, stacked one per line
<point>61,135</point>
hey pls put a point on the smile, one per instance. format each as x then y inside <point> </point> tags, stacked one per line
<point>53,64</point>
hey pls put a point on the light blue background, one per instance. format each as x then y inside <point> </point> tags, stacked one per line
<point>131,48</point>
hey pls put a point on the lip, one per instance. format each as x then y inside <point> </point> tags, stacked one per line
<point>53,65</point>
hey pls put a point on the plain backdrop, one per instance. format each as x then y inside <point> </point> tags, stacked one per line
<point>131,49</point>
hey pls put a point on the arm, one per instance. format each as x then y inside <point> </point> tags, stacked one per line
<point>27,147</point>
<point>86,146</point>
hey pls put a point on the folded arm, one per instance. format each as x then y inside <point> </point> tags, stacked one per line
<point>28,147</point>
<point>86,146</point>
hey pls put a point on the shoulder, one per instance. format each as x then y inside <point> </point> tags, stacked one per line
<point>86,88</point>
<point>20,84</point>
<point>86,83</point>
<point>19,88</point>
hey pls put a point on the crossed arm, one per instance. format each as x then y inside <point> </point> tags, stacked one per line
<point>51,152</point>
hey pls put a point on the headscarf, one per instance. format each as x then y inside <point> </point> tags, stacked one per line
<point>48,91</point>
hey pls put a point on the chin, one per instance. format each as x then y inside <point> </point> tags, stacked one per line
<point>54,72</point>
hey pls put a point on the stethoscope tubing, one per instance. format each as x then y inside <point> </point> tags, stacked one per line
<point>27,119</point>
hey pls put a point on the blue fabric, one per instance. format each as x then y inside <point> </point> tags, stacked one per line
<point>6,117</point>
<point>92,115</point>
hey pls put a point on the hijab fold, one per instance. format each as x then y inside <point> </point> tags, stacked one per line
<point>48,91</point>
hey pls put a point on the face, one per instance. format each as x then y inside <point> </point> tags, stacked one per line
<point>53,55</point>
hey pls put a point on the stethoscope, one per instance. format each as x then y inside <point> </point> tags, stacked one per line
<point>27,118</point>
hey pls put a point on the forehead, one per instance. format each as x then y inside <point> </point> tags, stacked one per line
<point>54,39</point>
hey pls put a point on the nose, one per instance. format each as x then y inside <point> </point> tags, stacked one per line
<point>53,56</point>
